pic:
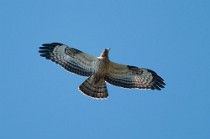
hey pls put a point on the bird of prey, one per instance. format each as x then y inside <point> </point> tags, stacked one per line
<point>100,70</point>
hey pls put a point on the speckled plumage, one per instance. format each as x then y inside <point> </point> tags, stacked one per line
<point>100,70</point>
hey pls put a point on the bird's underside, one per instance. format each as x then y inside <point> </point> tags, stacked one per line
<point>100,70</point>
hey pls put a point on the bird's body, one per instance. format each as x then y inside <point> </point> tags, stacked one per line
<point>100,70</point>
<point>101,64</point>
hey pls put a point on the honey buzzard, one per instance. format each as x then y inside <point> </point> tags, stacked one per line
<point>100,70</point>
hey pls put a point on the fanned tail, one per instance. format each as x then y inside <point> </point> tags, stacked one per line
<point>94,89</point>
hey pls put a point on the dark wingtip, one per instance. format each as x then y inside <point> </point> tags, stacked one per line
<point>157,82</point>
<point>47,48</point>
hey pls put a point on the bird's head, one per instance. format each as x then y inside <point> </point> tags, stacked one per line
<point>105,53</point>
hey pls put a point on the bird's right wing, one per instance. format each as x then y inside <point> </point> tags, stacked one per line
<point>71,59</point>
<point>133,77</point>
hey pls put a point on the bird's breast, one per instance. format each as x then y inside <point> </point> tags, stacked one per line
<point>100,67</point>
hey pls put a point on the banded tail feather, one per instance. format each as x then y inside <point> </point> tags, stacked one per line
<point>94,89</point>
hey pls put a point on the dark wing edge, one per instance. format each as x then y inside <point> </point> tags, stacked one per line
<point>157,82</point>
<point>127,76</point>
<point>47,51</point>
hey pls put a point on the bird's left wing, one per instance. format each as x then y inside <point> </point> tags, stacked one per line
<point>71,59</point>
<point>133,77</point>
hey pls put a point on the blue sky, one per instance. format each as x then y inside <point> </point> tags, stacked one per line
<point>40,100</point>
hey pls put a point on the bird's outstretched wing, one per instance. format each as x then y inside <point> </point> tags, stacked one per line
<point>71,59</point>
<point>133,77</point>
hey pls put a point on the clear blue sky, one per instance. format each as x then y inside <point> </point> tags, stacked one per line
<point>40,100</point>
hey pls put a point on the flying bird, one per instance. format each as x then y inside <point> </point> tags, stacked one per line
<point>100,70</point>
